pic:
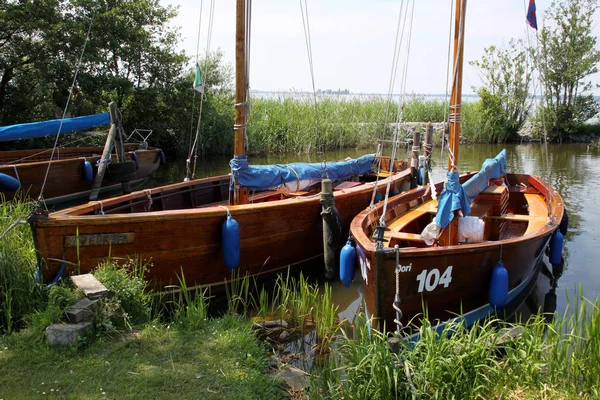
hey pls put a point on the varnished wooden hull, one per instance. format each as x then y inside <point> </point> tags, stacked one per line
<point>177,239</point>
<point>468,267</point>
<point>66,180</point>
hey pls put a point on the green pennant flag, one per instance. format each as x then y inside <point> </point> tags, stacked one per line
<point>199,82</point>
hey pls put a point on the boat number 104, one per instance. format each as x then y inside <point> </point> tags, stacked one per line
<point>429,280</point>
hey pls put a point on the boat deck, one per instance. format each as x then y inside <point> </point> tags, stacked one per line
<point>492,208</point>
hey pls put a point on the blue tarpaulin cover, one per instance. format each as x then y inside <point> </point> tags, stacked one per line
<point>459,197</point>
<point>263,177</point>
<point>45,128</point>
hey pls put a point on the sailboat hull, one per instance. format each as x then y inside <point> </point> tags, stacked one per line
<point>445,281</point>
<point>176,230</point>
<point>66,177</point>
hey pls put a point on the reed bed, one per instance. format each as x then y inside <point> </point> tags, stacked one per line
<point>19,292</point>
<point>545,360</point>
<point>289,124</point>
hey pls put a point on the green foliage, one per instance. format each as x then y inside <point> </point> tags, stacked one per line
<point>569,55</point>
<point>557,359</point>
<point>130,303</point>
<point>20,294</point>
<point>223,361</point>
<point>504,99</point>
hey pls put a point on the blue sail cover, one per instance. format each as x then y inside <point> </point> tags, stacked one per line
<point>263,177</point>
<point>45,128</point>
<point>459,197</point>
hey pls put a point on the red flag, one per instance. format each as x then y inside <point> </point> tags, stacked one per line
<point>531,17</point>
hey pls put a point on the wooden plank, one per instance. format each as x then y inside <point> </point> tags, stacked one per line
<point>427,207</point>
<point>413,237</point>
<point>537,205</point>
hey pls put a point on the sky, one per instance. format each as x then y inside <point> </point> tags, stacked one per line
<point>353,41</point>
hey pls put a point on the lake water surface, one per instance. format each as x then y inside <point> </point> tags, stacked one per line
<point>572,169</point>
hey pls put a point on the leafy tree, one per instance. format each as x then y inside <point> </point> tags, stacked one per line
<point>30,32</point>
<point>569,55</point>
<point>505,103</point>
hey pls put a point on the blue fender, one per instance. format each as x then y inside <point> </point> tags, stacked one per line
<point>556,245</point>
<point>163,158</point>
<point>135,158</point>
<point>9,183</point>
<point>88,171</point>
<point>347,263</point>
<point>498,294</point>
<point>230,232</point>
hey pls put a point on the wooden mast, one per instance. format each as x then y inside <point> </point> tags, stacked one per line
<point>449,236</point>
<point>457,70</point>
<point>240,195</point>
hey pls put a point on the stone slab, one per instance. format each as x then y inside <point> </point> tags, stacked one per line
<point>91,287</point>
<point>82,311</point>
<point>66,334</point>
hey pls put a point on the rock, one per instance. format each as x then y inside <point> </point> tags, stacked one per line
<point>278,323</point>
<point>90,286</point>
<point>66,334</point>
<point>284,335</point>
<point>295,378</point>
<point>82,311</point>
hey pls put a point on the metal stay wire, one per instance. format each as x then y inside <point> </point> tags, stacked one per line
<point>193,149</point>
<point>307,39</point>
<point>395,57</point>
<point>399,115</point>
<point>87,38</point>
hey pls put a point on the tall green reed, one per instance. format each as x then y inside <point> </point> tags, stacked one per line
<point>20,294</point>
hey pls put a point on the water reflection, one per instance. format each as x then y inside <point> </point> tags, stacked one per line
<point>570,168</point>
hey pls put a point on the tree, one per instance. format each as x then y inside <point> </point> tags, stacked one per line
<point>29,34</point>
<point>505,103</point>
<point>569,54</point>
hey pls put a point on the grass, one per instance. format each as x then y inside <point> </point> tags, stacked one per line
<point>223,361</point>
<point>164,346</point>
<point>556,360</point>
<point>19,292</point>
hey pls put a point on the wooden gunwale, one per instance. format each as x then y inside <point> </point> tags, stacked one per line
<point>73,216</point>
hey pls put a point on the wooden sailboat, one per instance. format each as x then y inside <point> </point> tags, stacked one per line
<point>178,228</point>
<point>471,251</point>
<point>72,170</point>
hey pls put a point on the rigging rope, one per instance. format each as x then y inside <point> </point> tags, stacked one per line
<point>306,26</point>
<point>399,114</point>
<point>193,149</point>
<point>395,60</point>
<point>447,76</point>
<point>87,38</point>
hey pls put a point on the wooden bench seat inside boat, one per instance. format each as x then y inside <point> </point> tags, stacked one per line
<point>537,217</point>
<point>428,207</point>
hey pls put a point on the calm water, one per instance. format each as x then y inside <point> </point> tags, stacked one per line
<point>572,169</point>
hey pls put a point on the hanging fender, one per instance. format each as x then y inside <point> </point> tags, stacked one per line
<point>564,224</point>
<point>498,294</point>
<point>348,262</point>
<point>88,171</point>
<point>163,158</point>
<point>134,157</point>
<point>556,246</point>
<point>9,183</point>
<point>230,235</point>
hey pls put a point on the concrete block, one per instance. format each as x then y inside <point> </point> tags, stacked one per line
<point>91,287</point>
<point>82,311</point>
<point>66,334</point>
